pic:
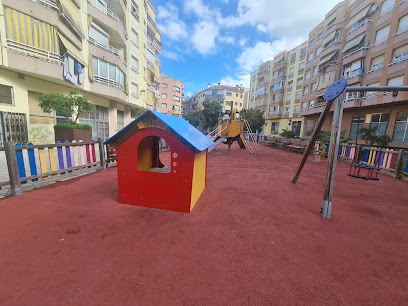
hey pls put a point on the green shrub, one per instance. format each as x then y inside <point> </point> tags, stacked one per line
<point>60,127</point>
<point>288,134</point>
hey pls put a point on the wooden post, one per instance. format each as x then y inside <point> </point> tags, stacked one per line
<point>398,163</point>
<point>102,159</point>
<point>357,153</point>
<point>326,207</point>
<point>15,185</point>
<point>312,140</point>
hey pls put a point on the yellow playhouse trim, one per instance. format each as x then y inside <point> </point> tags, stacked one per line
<point>243,141</point>
<point>200,162</point>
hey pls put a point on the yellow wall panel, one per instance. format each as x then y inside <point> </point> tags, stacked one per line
<point>199,172</point>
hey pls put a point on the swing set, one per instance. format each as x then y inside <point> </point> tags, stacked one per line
<point>335,94</point>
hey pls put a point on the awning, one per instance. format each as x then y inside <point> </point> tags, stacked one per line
<point>329,37</point>
<point>355,42</point>
<point>72,50</point>
<point>331,17</point>
<point>71,13</point>
<point>29,36</point>
<point>359,16</point>
<point>280,58</point>
<point>328,57</point>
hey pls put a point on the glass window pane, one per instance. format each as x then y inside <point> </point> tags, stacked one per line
<point>103,69</point>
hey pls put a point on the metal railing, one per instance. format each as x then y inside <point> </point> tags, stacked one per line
<point>108,48</point>
<point>354,50</point>
<point>365,21</point>
<point>380,41</point>
<point>400,31</point>
<point>104,9</point>
<point>399,59</point>
<point>49,4</point>
<point>353,73</point>
<point>109,82</point>
<point>376,67</point>
<point>385,12</point>
<point>331,43</point>
<point>24,49</point>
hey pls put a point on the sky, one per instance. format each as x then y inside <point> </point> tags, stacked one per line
<point>225,40</point>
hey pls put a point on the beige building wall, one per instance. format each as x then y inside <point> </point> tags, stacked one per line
<point>125,31</point>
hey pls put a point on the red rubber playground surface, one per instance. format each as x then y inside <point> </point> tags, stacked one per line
<point>252,238</point>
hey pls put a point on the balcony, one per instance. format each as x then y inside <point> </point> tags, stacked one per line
<point>276,103</point>
<point>157,45</point>
<point>279,65</point>
<point>332,46</point>
<point>401,35</point>
<point>280,77</point>
<point>274,115</point>
<point>277,89</point>
<point>108,48</point>
<point>150,66</point>
<point>398,63</point>
<point>359,29</point>
<point>157,62</point>
<point>113,19</point>
<point>355,76</point>
<point>354,54</point>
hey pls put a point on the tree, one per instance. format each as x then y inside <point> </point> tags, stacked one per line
<point>254,117</point>
<point>138,111</point>
<point>195,118</point>
<point>324,136</point>
<point>67,106</point>
<point>288,134</point>
<point>368,135</point>
<point>211,113</point>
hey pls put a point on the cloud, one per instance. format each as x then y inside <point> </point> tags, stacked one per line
<point>243,79</point>
<point>226,39</point>
<point>203,37</point>
<point>171,55</point>
<point>170,23</point>
<point>242,42</point>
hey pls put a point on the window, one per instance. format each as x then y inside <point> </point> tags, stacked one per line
<point>310,57</point>
<point>175,98</point>
<point>164,105</point>
<point>236,95</point>
<point>307,74</point>
<point>288,97</point>
<point>120,120</point>
<point>291,71</point>
<point>299,82</point>
<point>135,38</point>
<point>309,127</point>
<point>135,64</point>
<point>274,128</point>
<point>318,51</point>
<point>240,104</point>
<point>386,7</point>
<point>229,94</point>
<point>298,95</point>
<point>296,126</point>
<point>401,127</point>
<point>99,120</point>
<point>290,84</point>
<point>296,110</point>
<point>377,63</point>
<point>303,52</point>
<point>176,107</point>
<point>287,109</point>
<point>315,69</point>
<point>311,42</point>
<point>380,120</point>
<point>306,90</point>
<point>382,35</point>
<point>236,103</point>
<point>400,54</point>
<point>304,106</point>
<point>372,94</point>
<point>293,57</point>
<point>311,104</point>
<point>356,122</point>
<point>6,95</point>
<point>134,90</point>
<point>397,81</point>
<point>164,95</point>
<point>403,25</point>
<point>314,87</point>
<point>108,74</point>
<point>176,89</point>
<point>301,67</point>
<point>164,85</point>
<point>134,9</point>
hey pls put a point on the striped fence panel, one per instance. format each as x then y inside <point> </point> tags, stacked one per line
<point>347,151</point>
<point>384,158</point>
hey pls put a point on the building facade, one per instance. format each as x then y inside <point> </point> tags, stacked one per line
<point>227,96</point>
<point>365,42</point>
<point>171,96</point>
<point>108,49</point>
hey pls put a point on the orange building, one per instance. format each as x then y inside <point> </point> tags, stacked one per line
<point>171,96</point>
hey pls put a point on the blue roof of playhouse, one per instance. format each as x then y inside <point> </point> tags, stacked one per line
<point>193,137</point>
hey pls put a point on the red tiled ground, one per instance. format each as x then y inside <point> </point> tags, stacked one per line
<point>253,238</point>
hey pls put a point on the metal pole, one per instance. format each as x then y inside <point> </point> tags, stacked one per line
<point>326,207</point>
<point>376,88</point>
<point>312,140</point>
<point>15,184</point>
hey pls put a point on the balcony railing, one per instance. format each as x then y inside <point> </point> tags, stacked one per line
<point>336,41</point>
<point>380,41</point>
<point>400,31</point>
<point>354,50</point>
<point>279,63</point>
<point>385,12</point>
<point>365,21</point>
<point>353,73</point>
<point>376,67</point>
<point>96,4</point>
<point>278,88</point>
<point>108,82</point>
<point>41,54</point>
<point>399,59</point>
<point>107,48</point>
<point>49,4</point>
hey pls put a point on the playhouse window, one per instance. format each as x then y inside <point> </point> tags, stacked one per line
<point>154,154</point>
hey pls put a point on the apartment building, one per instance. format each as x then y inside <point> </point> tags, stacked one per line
<point>108,49</point>
<point>227,96</point>
<point>365,42</point>
<point>171,96</point>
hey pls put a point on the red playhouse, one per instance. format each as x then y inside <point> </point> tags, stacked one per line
<point>143,178</point>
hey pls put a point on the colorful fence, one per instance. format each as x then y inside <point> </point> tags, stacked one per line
<point>384,158</point>
<point>36,163</point>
